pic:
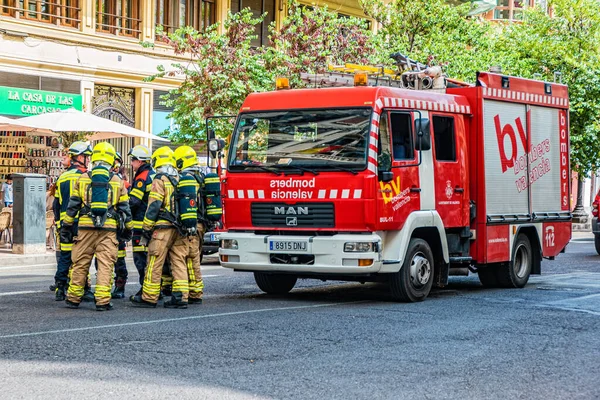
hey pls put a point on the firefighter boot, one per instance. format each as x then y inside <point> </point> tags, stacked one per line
<point>119,290</point>
<point>137,301</point>
<point>194,301</point>
<point>104,307</point>
<point>71,304</point>
<point>60,293</point>
<point>176,301</point>
<point>88,295</point>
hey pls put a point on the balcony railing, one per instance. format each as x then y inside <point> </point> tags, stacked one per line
<point>118,24</point>
<point>53,12</point>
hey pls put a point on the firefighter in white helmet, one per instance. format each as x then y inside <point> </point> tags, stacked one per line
<point>100,200</point>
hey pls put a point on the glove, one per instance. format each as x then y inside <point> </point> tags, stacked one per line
<point>126,235</point>
<point>145,239</point>
<point>66,234</point>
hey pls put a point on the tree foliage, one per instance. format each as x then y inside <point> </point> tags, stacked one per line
<point>433,32</point>
<point>567,43</point>
<point>222,70</point>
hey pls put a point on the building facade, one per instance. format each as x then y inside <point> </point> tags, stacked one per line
<point>90,51</point>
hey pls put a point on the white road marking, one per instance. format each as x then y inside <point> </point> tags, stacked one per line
<point>160,321</point>
<point>23,292</point>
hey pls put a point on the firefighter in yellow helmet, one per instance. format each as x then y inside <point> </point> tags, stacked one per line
<point>160,233</point>
<point>191,211</point>
<point>100,199</point>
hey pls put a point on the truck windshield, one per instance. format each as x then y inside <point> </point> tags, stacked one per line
<point>315,139</point>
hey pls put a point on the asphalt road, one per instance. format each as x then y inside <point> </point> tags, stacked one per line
<point>323,341</point>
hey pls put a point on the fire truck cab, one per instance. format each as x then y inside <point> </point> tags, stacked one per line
<point>379,183</point>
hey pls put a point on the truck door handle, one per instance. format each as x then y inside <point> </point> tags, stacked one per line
<point>415,190</point>
<point>459,190</point>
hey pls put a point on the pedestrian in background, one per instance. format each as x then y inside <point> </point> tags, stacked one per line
<point>7,192</point>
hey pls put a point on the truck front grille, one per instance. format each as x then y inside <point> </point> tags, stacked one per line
<point>299,215</point>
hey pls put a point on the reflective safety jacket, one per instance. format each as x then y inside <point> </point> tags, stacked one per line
<point>161,203</point>
<point>64,189</point>
<point>117,204</point>
<point>139,193</point>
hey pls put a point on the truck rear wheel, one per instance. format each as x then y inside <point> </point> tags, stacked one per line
<point>515,274</point>
<point>275,283</point>
<point>414,280</point>
<point>488,276</point>
<point>597,243</point>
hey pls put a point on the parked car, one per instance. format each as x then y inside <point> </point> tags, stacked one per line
<point>211,241</point>
<point>595,227</point>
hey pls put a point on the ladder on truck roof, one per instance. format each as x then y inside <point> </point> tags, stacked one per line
<point>410,75</point>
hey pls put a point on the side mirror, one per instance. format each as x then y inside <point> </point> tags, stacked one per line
<point>215,145</point>
<point>385,176</point>
<point>423,141</point>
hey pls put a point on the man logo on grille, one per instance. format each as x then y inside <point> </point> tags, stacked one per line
<point>291,221</point>
<point>290,210</point>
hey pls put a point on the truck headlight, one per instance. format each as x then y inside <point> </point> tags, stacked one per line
<point>229,244</point>
<point>360,247</point>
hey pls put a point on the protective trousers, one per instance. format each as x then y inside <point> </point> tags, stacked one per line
<point>165,242</point>
<point>192,262</point>
<point>120,266</point>
<point>104,244</point>
<point>140,256</point>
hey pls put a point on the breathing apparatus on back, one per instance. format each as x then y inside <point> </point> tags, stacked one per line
<point>103,158</point>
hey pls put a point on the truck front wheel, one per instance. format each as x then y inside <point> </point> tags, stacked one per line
<point>275,283</point>
<point>515,274</point>
<point>414,280</point>
<point>597,242</point>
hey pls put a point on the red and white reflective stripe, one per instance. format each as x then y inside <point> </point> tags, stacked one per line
<point>426,105</point>
<point>246,194</point>
<point>373,137</point>
<point>339,194</point>
<point>539,99</point>
<point>322,194</point>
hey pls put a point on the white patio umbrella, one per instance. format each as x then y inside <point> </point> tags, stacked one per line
<point>7,124</point>
<point>72,120</point>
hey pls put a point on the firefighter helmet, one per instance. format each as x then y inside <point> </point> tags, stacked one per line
<point>185,157</point>
<point>104,151</point>
<point>140,152</point>
<point>78,148</point>
<point>163,156</point>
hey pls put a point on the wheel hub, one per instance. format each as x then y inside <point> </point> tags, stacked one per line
<point>521,261</point>
<point>420,270</point>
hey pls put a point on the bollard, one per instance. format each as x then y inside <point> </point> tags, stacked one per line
<point>29,214</point>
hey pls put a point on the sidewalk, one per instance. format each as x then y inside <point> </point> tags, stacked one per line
<point>8,259</point>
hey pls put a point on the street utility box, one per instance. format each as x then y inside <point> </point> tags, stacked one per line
<point>29,213</point>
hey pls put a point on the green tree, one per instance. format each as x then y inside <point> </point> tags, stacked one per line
<point>222,70</point>
<point>311,38</point>
<point>566,43</point>
<point>433,32</point>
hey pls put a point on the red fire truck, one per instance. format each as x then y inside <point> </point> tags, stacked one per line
<point>381,183</point>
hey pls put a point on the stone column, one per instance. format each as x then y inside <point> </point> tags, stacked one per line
<point>148,17</point>
<point>144,98</point>
<point>87,93</point>
<point>88,16</point>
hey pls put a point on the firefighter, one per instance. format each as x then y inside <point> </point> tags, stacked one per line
<point>138,201</point>
<point>79,153</point>
<point>100,199</point>
<point>160,233</point>
<point>120,266</point>
<point>191,214</point>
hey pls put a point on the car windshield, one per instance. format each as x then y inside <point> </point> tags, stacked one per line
<point>306,140</point>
